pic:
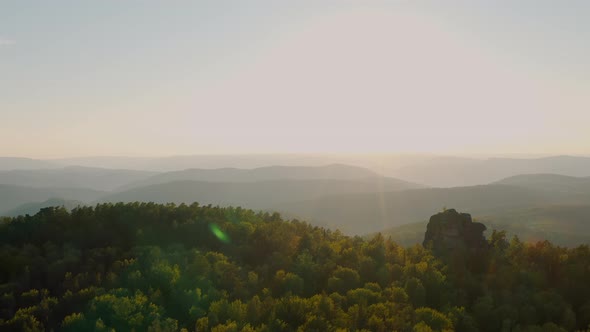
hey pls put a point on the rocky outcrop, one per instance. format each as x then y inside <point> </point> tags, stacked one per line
<point>450,231</point>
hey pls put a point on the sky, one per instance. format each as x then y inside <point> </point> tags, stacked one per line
<point>152,78</point>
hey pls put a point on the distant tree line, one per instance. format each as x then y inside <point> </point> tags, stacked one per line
<point>153,267</point>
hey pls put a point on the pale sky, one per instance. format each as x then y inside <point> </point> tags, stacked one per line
<point>147,78</point>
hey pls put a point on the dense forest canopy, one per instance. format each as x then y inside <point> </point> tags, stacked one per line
<point>154,267</point>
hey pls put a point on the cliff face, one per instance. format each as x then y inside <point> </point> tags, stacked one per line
<point>450,230</point>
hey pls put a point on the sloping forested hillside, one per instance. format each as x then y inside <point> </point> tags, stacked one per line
<point>150,267</point>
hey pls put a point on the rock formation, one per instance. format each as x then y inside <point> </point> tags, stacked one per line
<point>452,231</point>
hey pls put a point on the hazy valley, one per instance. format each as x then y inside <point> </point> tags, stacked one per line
<point>353,199</point>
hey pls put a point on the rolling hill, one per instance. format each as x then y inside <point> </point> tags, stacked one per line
<point>261,188</point>
<point>11,163</point>
<point>329,172</point>
<point>430,170</point>
<point>353,199</point>
<point>73,177</point>
<point>12,197</point>
<point>33,208</point>
<point>382,163</point>
<point>258,195</point>
<point>355,206</point>
<point>551,182</point>
<point>453,171</point>
<point>371,212</point>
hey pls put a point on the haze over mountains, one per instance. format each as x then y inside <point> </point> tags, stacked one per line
<point>12,163</point>
<point>73,177</point>
<point>565,225</point>
<point>560,213</point>
<point>552,182</point>
<point>260,186</point>
<point>356,200</point>
<point>430,170</point>
<point>265,195</point>
<point>453,171</point>
<point>35,207</point>
<point>330,172</point>
<point>12,197</point>
<point>378,210</point>
<point>381,163</point>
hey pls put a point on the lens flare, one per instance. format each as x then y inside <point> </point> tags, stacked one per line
<point>219,234</point>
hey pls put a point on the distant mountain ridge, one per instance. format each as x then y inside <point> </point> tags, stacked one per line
<point>355,206</point>
<point>73,177</point>
<point>381,163</point>
<point>452,171</point>
<point>259,188</point>
<point>429,170</point>
<point>11,197</point>
<point>370,212</point>
<point>264,195</point>
<point>12,163</point>
<point>354,199</point>
<point>270,173</point>
<point>35,207</point>
<point>549,182</point>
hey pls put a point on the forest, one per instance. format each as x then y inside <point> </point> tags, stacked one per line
<point>166,267</point>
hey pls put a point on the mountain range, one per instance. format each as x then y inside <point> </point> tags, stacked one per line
<point>353,199</point>
<point>13,197</point>
<point>454,171</point>
<point>429,170</point>
<point>73,177</point>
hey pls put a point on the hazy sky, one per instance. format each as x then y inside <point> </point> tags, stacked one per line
<point>81,78</point>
